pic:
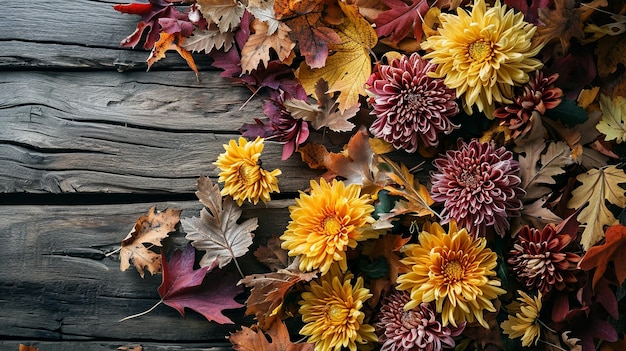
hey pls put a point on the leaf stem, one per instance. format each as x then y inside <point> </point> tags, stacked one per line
<point>142,313</point>
<point>238,268</point>
<point>113,252</point>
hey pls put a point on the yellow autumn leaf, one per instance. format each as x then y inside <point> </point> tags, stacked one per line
<point>598,186</point>
<point>612,123</point>
<point>349,67</point>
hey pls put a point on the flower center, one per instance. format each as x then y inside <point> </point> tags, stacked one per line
<point>331,225</point>
<point>453,271</point>
<point>248,173</point>
<point>479,50</point>
<point>336,314</point>
<point>410,319</point>
<point>414,101</point>
<point>469,179</point>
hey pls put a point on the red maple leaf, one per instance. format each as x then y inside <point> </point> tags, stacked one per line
<point>401,18</point>
<point>154,15</point>
<point>206,293</point>
<point>613,250</point>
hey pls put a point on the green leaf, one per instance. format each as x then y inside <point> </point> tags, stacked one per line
<point>568,113</point>
<point>374,269</point>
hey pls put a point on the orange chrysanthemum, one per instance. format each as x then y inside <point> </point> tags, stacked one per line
<point>483,54</point>
<point>455,270</point>
<point>241,172</point>
<point>325,223</point>
<point>332,312</point>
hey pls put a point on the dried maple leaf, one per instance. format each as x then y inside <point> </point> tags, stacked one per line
<point>613,121</point>
<point>564,22</point>
<point>316,156</point>
<point>309,21</point>
<point>355,163</point>
<point>269,291</point>
<point>401,19</point>
<point>611,51</point>
<point>612,250</point>
<point>248,339</point>
<point>208,39</point>
<point>131,348</point>
<point>349,67</point>
<point>324,113</point>
<point>167,42</point>
<point>598,186</point>
<point>538,166</point>
<point>415,197</point>
<point>264,11</point>
<point>217,231</point>
<point>183,287</point>
<point>150,14</point>
<point>150,229</point>
<point>23,347</point>
<point>257,49</point>
<point>272,255</point>
<point>225,13</point>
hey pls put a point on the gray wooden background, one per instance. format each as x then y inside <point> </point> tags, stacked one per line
<point>89,141</point>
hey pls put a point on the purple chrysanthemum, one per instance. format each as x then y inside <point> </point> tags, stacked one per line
<point>418,329</point>
<point>538,95</point>
<point>479,187</point>
<point>411,107</point>
<point>540,259</point>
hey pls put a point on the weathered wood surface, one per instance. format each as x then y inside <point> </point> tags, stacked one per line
<point>80,116</point>
<point>57,282</point>
<point>112,132</point>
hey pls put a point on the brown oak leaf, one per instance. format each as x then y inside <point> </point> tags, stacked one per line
<point>248,339</point>
<point>269,291</point>
<point>149,230</point>
<point>612,250</point>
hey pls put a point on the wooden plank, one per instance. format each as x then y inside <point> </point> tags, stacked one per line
<point>12,345</point>
<point>83,34</point>
<point>57,283</point>
<point>123,133</point>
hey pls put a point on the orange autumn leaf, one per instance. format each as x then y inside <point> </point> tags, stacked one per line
<point>252,339</point>
<point>256,50</point>
<point>171,42</point>
<point>23,347</point>
<point>349,67</point>
<point>269,291</point>
<point>149,230</point>
<point>272,255</point>
<point>309,21</point>
<point>613,250</point>
<point>316,156</point>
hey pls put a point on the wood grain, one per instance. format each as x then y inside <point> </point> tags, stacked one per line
<point>57,283</point>
<point>126,133</point>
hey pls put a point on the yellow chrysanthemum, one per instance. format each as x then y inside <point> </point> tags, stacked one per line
<point>325,223</point>
<point>483,54</point>
<point>523,320</point>
<point>455,270</point>
<point>241,172</point>
<point>331,311</point>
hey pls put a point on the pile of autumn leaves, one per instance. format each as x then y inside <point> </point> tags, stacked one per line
<point>511,240</point>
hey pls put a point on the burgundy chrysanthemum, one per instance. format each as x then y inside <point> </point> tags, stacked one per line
<point>540,259</point>
<point>411,108</point>
<point>478,185</point>
<point>538,95</point>
<point>413,330</point>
